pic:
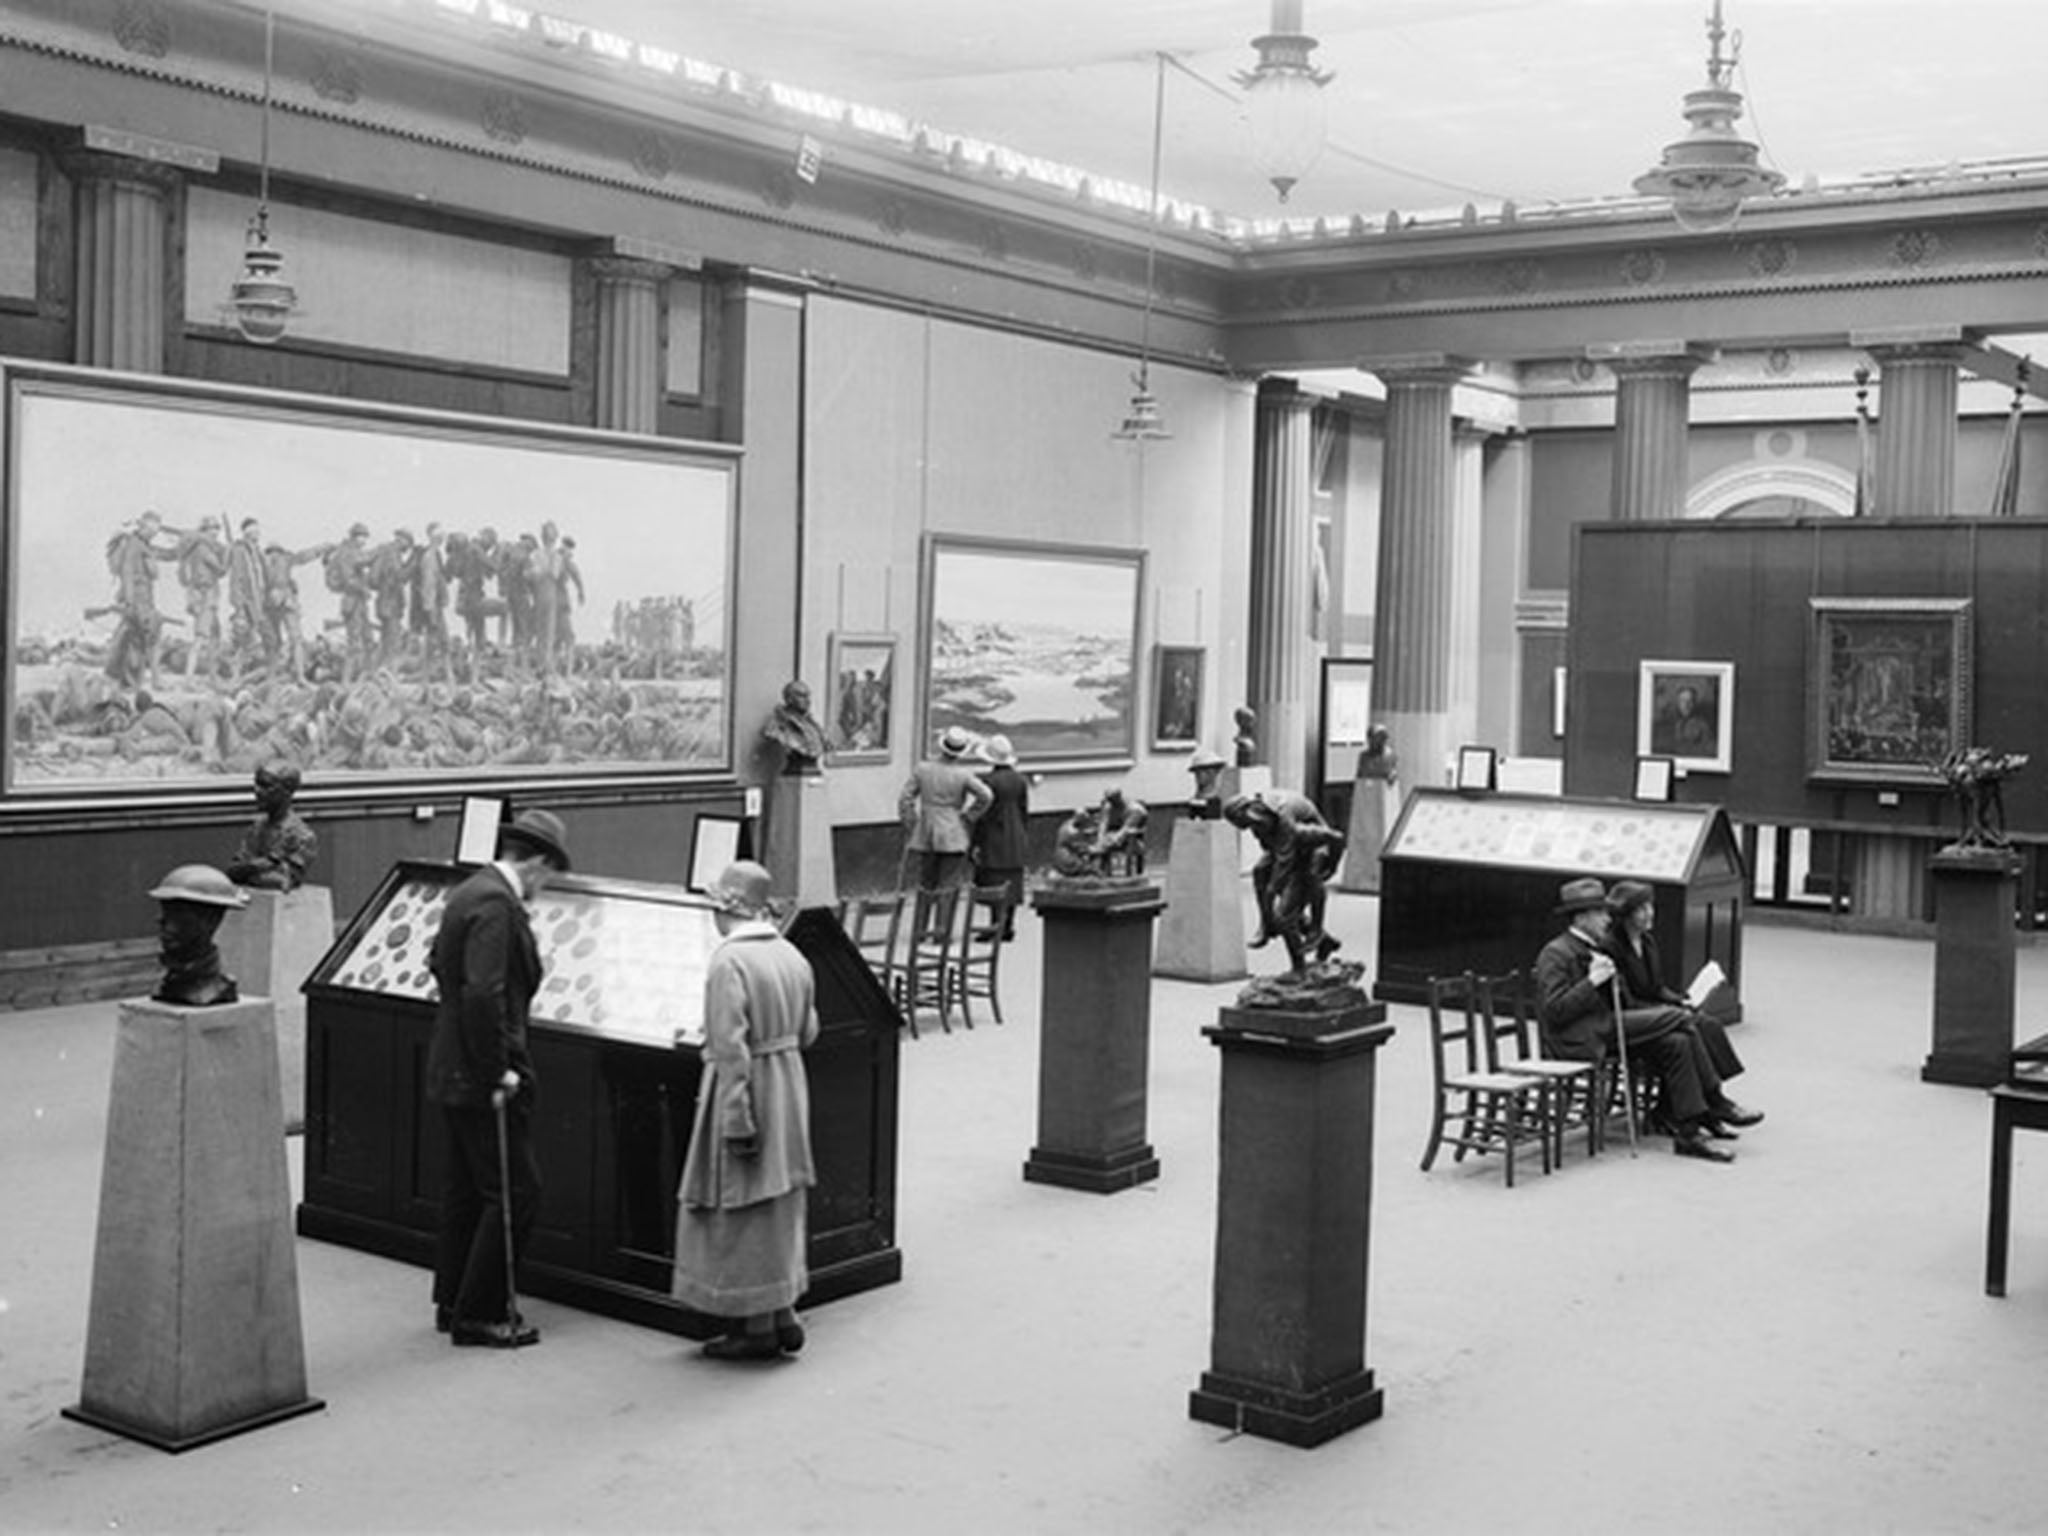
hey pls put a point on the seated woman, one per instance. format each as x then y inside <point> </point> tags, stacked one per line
<point>1637,962</point>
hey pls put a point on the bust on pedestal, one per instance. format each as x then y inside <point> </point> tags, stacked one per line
<point>194,1331</point>
<point>798,849</point>
<point>1373,799</point>
<point>1202,935</point>
<point>1976,881</point>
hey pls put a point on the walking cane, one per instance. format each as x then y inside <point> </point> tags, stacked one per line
<point>505,1209</point>
<point>1628,1078</point>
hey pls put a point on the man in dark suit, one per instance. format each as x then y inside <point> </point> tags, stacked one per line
<point>480,1076</point>
<point>1574,1002</point>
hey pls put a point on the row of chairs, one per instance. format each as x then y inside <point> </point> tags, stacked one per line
<point>1495,1089</point>
<point>934,951</point>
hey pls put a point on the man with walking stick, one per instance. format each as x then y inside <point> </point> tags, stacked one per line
<point>480,1077</point>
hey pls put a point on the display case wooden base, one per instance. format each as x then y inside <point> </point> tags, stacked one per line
<point>612,1117</point>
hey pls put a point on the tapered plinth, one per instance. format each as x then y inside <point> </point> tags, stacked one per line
<point>1201,938</point>
<point>1975,897</point>
<point>1293,1224</point>
<point>194,1331</point>
<point>1094,1036</point>
<point>799,852</point>
<point>270,947</point>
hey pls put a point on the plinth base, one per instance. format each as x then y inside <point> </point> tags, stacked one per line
<point>799,850</point>
<point>1293,1418</point>
<point>1201,937</point>
<point>113,1424</point>
<point>1104,1175</point>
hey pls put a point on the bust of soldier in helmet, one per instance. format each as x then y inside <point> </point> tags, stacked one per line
<point>191,901</point>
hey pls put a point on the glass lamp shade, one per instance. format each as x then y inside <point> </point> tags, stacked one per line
<point>1708,174</point>
<point>1143,423</point>
<point>1288,120</point>
<point>261,300</point>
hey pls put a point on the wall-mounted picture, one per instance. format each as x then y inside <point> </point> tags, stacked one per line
<point>1036,641</point>
<point>1176,697</point>
<point>861,699</point>
<point>1889,691</point>
<point>1685,710</point>
<point>1654,778</point>
<point>373,594</point>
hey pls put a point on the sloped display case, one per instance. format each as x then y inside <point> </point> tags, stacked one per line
<point>1470,881</point>
<point>616,1033</point>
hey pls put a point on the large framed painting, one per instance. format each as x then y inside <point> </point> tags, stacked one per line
<point>1888,696</point>
<point>861,701</point>
<point>1038,642</point>
<point>1685,710</point>
<point>1176,697</point>
<point>198,579</point>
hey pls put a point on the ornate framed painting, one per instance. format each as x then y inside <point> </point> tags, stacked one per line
<point>386,597</point>
<point>1036,641</point>
<point>1685,710</point>
<point>860,699</point>
<point>1888,693</point>
<point>1176,697</point>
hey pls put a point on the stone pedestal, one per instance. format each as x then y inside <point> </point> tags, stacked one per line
<point>1293,1224</point>
<point>1371,816</point>
<point>1094,1035</point>
<point>799,851</point>
<point>1976,894</point>
<point>270,947</point>
<point>194,1329</point>
<point>1201,937</point>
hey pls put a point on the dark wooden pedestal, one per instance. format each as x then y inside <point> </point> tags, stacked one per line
<point>1975,896</point>
<point>1094,1036</point>
<point>1293,1224</point>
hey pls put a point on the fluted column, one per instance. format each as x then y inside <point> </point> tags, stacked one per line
<point>628,342</point>
<point>1281,659</point>
<point>1413,619</point>
<point>121,215</point>
<point>1916,424</point>
<point>1652,420</point>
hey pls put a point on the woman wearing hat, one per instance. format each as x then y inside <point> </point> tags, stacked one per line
<point>1633,943</point>
<point>1575,996</point>
<point>740,1222</point>
<point>939,803</point>
<point>1001,835</point>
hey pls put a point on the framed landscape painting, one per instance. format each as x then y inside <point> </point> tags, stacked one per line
<point>1888,695</point>
<point>384,597</point>
<point>1685,710</point>
<point>1037,642</point>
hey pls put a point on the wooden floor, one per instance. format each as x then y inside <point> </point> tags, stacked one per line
<point>1796,1343</point>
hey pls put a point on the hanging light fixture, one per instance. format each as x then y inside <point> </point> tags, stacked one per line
<point>261,300</point>
<point>1142,422</point>
<point>1709,173</point>
<point>1283,100</point>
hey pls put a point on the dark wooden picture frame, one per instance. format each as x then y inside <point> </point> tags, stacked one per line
<point>1177,697</point>
<point>1888,693</point>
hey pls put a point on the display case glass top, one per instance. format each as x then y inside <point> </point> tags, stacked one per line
<point>621,959</point>
<point>1649,842</point>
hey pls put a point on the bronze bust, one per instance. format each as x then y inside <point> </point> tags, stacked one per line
<point>279,846</point>
<point>191,901</point>
<point>792,728</point>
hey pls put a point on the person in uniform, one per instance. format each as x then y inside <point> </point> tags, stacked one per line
<point>740,1221</point>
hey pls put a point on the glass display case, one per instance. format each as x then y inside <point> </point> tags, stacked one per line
<point>1470,881</point>
<point>615,1037</point>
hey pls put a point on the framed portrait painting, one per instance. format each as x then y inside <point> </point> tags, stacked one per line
<point>1038,642</point>
<point>387,597</point>
<point>1176,697</point>
<point>1685,710</point>
<point>1888,696</point>
<point>860,702</point>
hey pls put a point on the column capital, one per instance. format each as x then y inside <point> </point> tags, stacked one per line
<point>1653,359</point>
<point>629,270</point>
<point>1411,369</point>
<point>92,165</point>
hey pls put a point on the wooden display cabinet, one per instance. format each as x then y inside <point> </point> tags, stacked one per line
<point>624,978</point>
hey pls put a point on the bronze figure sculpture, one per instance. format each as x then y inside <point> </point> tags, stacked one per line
<point>279,846</point>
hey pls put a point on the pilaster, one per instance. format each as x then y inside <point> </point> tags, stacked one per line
<point>122,221</point>
<point>629,369</point>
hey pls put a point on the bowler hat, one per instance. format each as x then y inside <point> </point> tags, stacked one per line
<point>741,889</point>
<point>538,832</point>
<point>955,742</point>
<point>1580,895</point>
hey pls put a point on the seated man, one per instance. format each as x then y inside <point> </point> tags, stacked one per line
<point>1575,991</point>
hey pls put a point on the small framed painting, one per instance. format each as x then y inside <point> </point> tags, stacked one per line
<point>1685,710</point>
<point>861,700</point>
<point>1176,697</point>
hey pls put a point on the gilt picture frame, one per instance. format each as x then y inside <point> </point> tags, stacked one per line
<point>1889,688</point>
<point>1177,697</point>
<point>1685,710</point>
<point>860,697</point>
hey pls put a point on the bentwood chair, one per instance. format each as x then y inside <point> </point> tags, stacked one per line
<point>1477,1109</point>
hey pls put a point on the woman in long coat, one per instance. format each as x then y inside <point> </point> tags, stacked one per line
<point>740,1223</point>
<point>1633,944</point>
<point>1002,835</point>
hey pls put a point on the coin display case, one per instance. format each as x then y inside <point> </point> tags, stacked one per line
<point>615,1035</point>
<point>1470,882</point>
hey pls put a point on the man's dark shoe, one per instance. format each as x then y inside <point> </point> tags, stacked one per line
<point>744,1346</point>
<point>465,1333</point>
<point>1719,1130</point>
<point>789,1337</point>
<point>1697,1144</point>
<point>1732,1113</point>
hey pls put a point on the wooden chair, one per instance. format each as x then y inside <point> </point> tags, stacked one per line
<point>875,924</point>
<point>924,975</point>
<point>1477,1109</point>
<point>1573,1099</point>
<point>986,912</point>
